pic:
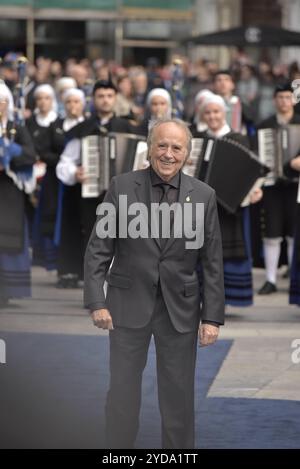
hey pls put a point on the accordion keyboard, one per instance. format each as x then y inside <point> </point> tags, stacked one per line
<point>91,165</point>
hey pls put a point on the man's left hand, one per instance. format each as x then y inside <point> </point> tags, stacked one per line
<point>208,334</point>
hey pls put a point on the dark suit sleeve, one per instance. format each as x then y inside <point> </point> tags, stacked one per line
<point>213,306</point>
<point>98,256</point>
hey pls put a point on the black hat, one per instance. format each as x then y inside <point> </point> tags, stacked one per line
<point>283,87</point>
<point>107,84</point>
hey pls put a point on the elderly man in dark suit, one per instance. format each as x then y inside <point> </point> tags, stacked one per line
<point>157,286</point>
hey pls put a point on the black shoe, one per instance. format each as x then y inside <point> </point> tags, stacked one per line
<point>73,283</point>
<point>267,288</point>
<point>62,283</point>
<point>67,281</point>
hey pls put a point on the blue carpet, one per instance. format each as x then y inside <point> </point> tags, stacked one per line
<point>53,388</point>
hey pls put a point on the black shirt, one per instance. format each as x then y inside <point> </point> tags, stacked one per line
<point>157,190</point>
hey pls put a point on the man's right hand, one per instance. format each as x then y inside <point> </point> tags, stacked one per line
<point>102,319</point>
<point>80,174</point>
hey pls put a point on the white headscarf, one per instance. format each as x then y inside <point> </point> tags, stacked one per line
<point>74,92</point>
<point>45,121</point>
<point>6,94</point>
<point>163,94</point>
<point>213,99</point>
<point>71,122</point>
<point>216,99</point>
<point>200,97</point>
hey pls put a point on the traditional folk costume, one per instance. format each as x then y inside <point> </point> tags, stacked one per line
<point>79,213</point>
<point>68,236</point>
<point>235,229</point>
<point>278,216</point>
<point>48,142</point>
<point>16,159</point>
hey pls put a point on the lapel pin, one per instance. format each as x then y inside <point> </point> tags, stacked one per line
<point>188,199</point>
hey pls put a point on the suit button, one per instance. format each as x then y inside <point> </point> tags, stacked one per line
<point>154,285</point>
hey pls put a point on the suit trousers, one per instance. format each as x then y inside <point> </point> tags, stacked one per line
<point>175,362</point>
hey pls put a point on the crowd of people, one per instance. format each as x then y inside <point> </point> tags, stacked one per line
<point>41,169</point>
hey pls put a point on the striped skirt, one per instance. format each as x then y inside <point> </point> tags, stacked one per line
<point>15,276</point>
<point>238,273</point>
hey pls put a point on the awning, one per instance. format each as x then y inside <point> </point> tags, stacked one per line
<point>256,36</point>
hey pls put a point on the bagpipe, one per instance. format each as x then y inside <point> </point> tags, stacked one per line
<point>88,94</point>
<point>177,82</point>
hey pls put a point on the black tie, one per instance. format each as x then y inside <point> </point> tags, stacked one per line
<point>164,198</point>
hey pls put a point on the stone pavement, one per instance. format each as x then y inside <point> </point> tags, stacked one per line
<point>53,385</point>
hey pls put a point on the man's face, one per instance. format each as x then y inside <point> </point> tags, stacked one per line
<point>284,101</point>
<point>74,107</point>
<point>44,103</point>
<point>168,151</point>
<point>104,100</point>
<point>214,116</point>
<point>159,107</point>
<point>223,85</point>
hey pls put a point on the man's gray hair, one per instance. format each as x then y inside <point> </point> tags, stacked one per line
<point>178,122</point>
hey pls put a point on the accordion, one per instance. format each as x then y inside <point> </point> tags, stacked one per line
<point>276,147</point>
<point>229,167</point>
<point>103,157</point>
<point>192,165</point>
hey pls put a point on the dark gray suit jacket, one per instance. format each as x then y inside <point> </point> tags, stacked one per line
<point>140,263</point>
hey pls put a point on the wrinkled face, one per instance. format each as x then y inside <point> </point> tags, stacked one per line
<point>223,85</point>
<point>159,107</point>
<point>284,101</point>
<point>74,107</point>
<point>104,100</point>
<point>168,151</point>
<point>213,116</point>
<point>44,103</point>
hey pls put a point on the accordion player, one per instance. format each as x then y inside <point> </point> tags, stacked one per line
<point>106,156</point>
<point>276,147</point>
